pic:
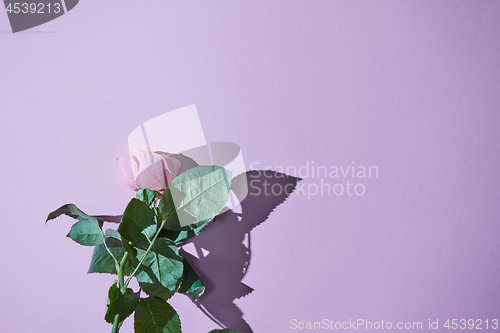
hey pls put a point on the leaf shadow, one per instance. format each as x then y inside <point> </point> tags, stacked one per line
<point>223,248</point>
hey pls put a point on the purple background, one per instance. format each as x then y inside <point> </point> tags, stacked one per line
<point>411,87</point>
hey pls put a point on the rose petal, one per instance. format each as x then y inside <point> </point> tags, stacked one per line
<point>144,160</point>
<point>154,170</point>
<point>152,177</point>
<point>172,165</point>
<point>126,165</point>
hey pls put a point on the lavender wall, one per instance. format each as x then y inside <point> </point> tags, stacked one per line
<point>410,87</point>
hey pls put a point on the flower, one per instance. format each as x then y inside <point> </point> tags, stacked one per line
<point>150,170</point>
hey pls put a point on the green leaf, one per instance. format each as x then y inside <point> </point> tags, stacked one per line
<point>165,262</point>
<point>187,232</point>
<point>86,232</point>
<point>150,231</point>
<point>200,193</point>
<point>112,233</point>
<point>224,331</point>
<point>173,223</point>
<point>103,262</point>
<point>146,195</point>
<point>166,205</point>
<point>154,315</point>
<point>129,248</point>
<point>136,219</point>
<point>130,301</point>
<point>191,283</point>
<point>72,211</point>
<point>150,284</point>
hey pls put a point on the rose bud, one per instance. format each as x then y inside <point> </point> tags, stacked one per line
<point>150,170</point>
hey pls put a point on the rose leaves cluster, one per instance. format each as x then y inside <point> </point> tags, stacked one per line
<point>168,210</point>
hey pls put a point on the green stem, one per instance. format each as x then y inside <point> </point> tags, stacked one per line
<point>122,288</point>
<point>121,284</point>
<point>116,322</point>
<point>107,248</point>
<point>147,251</point>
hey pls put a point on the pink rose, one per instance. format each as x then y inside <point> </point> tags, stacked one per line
<point>151,170</point>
